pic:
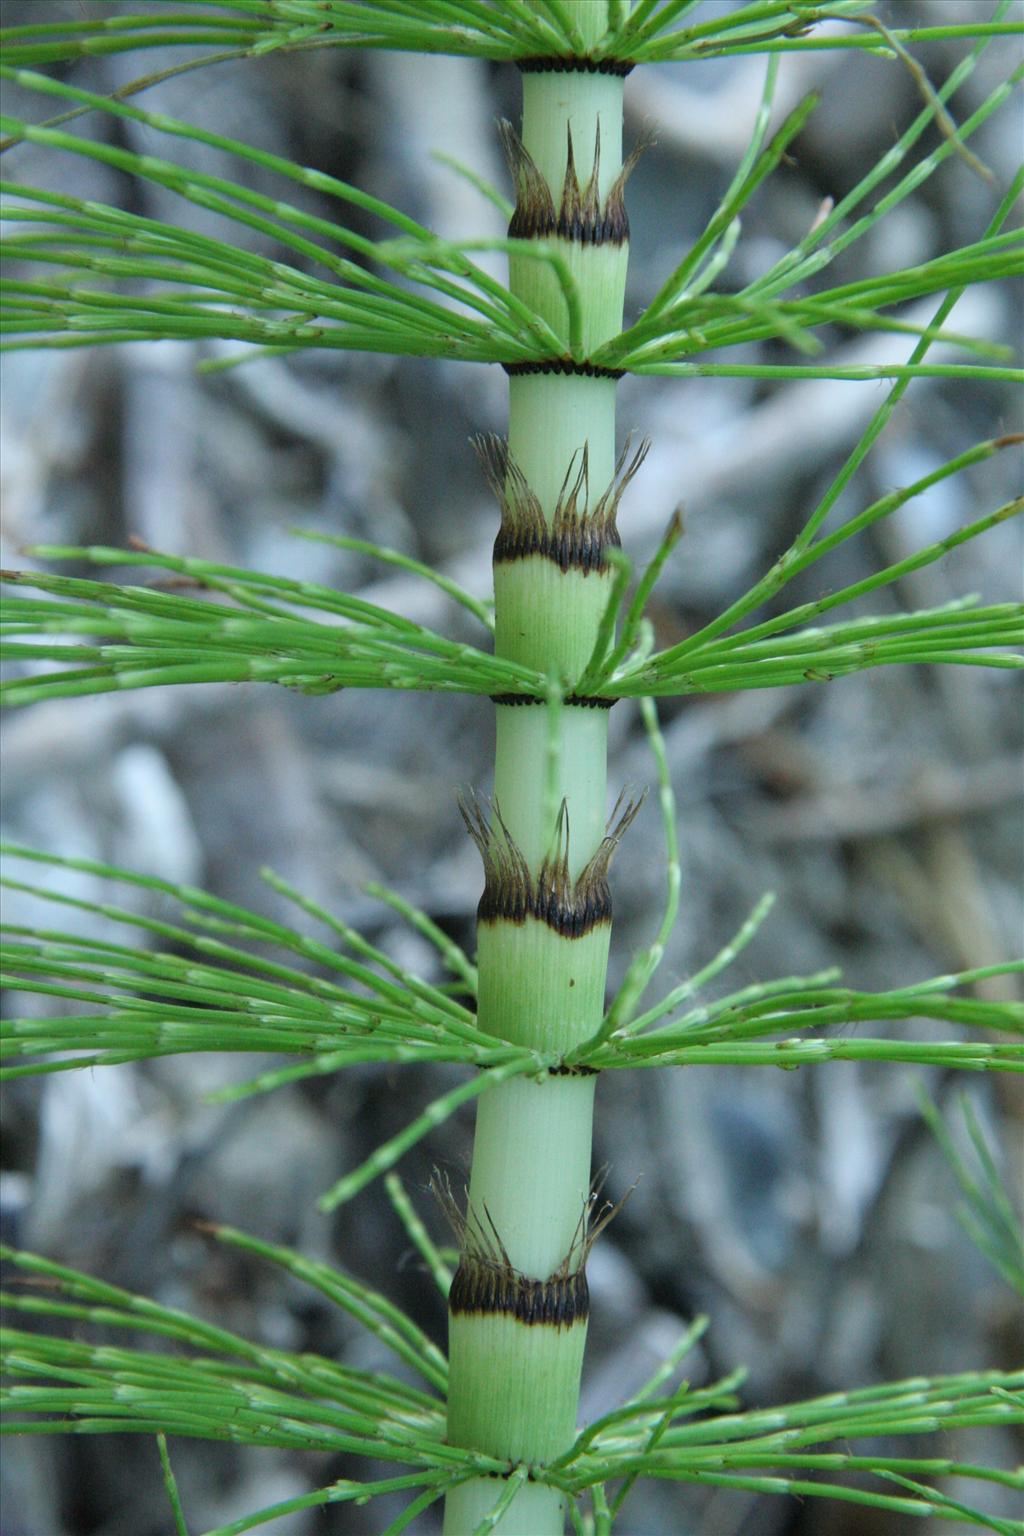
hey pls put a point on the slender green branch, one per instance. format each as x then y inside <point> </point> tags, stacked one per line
<point>170,1483</point>
<point>228,1388</point>
<point>987,1214</point>
<point>492,29</point>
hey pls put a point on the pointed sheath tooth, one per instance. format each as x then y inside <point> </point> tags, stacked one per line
<point>589,228</point>
<point>542,940</point>
<point>535,215</point>
<point>582,216</point>
<point>574,538</point>
<point>550,571</point>
<point>507,1323</point>
<point>571,908</point>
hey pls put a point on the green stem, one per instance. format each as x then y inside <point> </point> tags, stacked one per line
<point>544,924</point>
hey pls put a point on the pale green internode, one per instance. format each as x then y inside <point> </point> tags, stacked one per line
<point>587,106</point>
<point>521,772</point>
<point>553,290</point>
<point>538,988</point>
<point>553,572</point>
<point>569,173</point>
<point>537,1509</point>
<point>580,223</point>
<point>552,418</point>
<point>530,1185</point>
<point>551,575</point>
<point>545,618</point>
<point>514,1387</point>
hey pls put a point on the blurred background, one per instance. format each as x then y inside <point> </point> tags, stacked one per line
<point>809,1212</point>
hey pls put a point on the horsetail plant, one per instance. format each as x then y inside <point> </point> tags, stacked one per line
<point>492,1427</point>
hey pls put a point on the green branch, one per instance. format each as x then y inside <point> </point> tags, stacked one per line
<point>141,637</point>
<point>211,994</point>
<point>492,29</point>
<point>209,290</point>
<point>225,1387</point>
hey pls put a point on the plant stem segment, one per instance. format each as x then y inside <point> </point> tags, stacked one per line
<point>519,1301</point>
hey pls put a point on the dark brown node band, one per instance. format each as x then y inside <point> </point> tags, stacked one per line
<point>564,365</point>
<point>562,1070</point>
<point>482,1288</point>
<point>570,913</point>
<point>581,222</point>
<point>581,216</point>
<point>577,535</point>
<point>574,64</point>
<point>573,544</point>
<point>512,893</point>
<point>576,700</point>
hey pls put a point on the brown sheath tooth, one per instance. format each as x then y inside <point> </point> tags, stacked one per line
<point>487,1282</point>
<point>580,216</point>
<point>591,892</point>
<point>565,366</point>
<point>573,64</point>
<point>572,908</point>
<point>575,538</point>
<point>484,1288</point>
<point>571,700</point>
<point>579,213</point>
<point>613,215</point>
<point>535,215</point>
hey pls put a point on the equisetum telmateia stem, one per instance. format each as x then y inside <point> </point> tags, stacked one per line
<point>518,1305</point>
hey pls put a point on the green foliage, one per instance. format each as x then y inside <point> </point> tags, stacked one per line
<point>987,1214</point>
<point>207,288</point>
<point>163,637</point>
<point>207,991</point>
<point>781,651</point>
<point>197,974</point>
<point>217,290</point>
<point>220,1386</point>
<point>149,637</point>
<point>492,29</point>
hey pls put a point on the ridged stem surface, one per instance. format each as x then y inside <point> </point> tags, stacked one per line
<point>518,1305</point>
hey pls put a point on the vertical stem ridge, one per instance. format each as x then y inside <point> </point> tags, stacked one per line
<point>514,1373</point>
